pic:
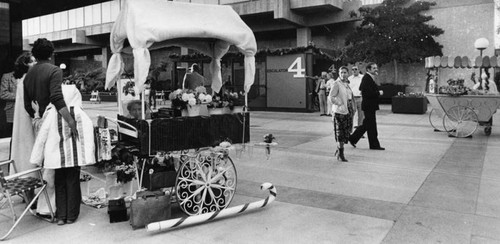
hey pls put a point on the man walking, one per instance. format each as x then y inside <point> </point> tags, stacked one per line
<point>354,83</point>
<point>370,93</point>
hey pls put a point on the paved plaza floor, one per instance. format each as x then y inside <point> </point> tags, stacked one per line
<point>424,188</point>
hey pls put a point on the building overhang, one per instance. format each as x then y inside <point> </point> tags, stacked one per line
<point>90,37</point>
<point>35,8</point>
<point>291,11</point>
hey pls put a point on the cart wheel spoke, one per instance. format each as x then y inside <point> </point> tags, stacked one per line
<point>223,187</point>
<point>203,197</point>
<point>196,182</point>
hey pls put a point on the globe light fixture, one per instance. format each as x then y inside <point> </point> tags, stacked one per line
<point>481,44</point>
<point>62,66</point>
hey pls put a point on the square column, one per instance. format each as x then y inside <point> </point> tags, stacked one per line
<point>10,35</point>
<point>303,36</point>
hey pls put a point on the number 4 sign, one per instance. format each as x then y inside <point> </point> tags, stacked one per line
<point>296,67</point>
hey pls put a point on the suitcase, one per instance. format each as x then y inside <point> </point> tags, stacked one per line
<point>149,207</point>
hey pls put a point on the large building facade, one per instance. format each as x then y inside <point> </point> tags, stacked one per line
<point>81,35</point>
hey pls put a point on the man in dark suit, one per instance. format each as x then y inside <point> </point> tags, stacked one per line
<point>369,93</point>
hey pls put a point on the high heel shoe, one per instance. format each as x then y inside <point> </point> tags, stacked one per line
<point>340,155</point>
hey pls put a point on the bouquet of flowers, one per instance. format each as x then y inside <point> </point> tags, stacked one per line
<point>227,99</point>
<point>125,173</point>
<point>455,88</point>
<point>182,98</point>
<point>176,98</point>
<point>268,138</point>
<point>121,162</point>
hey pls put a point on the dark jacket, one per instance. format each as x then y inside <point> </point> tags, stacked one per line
<point>43,84</point>
<point>370,93</point>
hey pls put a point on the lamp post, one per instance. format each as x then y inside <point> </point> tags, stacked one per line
<point>481,44</point>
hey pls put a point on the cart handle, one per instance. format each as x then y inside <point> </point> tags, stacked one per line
<point>124,127</point>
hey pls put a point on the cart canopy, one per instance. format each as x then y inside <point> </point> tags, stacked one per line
<point>209,29</point>
<point>462,62</point>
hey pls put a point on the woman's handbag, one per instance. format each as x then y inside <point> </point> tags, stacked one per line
<point>149,207</point>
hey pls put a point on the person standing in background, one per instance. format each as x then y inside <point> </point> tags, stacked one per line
<point>152,89</point>
<point>370,92</point>
<point>329,84</point>
<point>193,79</point>
<point>8,94</point>
<point>23,136</point>
<point>321,91</point>
<point>355,81</point>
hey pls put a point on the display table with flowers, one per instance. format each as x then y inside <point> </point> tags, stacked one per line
<point>412,103</point>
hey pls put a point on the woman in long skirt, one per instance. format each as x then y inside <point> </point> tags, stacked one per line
<point>343,108</point>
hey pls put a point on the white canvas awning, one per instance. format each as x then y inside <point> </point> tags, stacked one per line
<point>209,29</point>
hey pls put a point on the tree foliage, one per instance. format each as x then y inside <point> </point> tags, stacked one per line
<point>394,30</point>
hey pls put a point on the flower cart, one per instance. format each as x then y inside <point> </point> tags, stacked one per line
<point>457,110</point>
<point>206,176</point>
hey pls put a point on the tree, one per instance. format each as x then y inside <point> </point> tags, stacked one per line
<point>394,31</point>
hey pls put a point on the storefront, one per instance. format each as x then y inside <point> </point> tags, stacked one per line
<point>283,78</point>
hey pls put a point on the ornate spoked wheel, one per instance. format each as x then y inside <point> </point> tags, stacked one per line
<point>436,120</point>
<point>460,121</point>
<point>205,182</point>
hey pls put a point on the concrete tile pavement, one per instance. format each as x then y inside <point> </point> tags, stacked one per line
<point>425,188</point>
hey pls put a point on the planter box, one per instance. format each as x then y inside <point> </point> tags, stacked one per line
<point>224,110</point>
<point>195,110</point>
<point>390,91</point>
<point>409,105</point>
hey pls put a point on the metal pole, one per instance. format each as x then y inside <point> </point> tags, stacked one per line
<point>481,67</point>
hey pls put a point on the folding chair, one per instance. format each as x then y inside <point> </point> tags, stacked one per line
<point>94,97</point>
<point>19,184</point>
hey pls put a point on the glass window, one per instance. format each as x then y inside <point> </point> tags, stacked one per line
<point>50,23</point>
<point>96,14</point>
<point>43,24</point>
<point>80,17</point>
<point>36,26</point>
<point>72,19</point>
<point>57,23</point>
<point>25,27</point>
<point>106,12</point>
<point>63,17</point>
<point>30,26</point>
<point>88,15</point>
<point>115,9</point>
